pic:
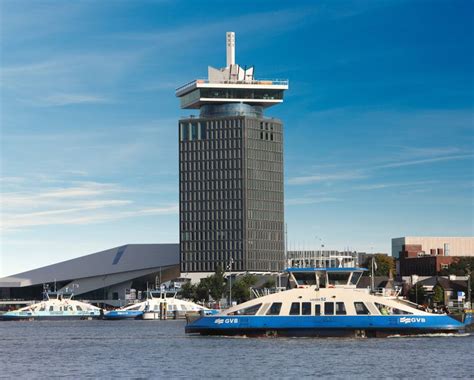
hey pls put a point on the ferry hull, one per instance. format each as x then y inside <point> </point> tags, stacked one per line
<point>331,326</point>
<point>47,317</point>
<point>123,314</point>
<point>316,333</point>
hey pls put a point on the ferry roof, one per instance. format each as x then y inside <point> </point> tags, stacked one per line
<point>326,269</point>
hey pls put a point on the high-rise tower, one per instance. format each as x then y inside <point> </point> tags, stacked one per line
<point>231,171</point>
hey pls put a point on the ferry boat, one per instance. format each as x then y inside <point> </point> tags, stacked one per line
<point>160,304</point>
<point>55,306</point>
<point>326,302</point>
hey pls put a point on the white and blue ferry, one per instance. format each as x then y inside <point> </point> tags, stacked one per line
<point>326,302</point>
<point>55,306</point>
<point>160,304</point>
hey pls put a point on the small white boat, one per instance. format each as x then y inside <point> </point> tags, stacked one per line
<point>55,306</point>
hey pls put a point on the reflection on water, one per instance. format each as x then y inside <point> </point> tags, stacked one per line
<point>143,349</point>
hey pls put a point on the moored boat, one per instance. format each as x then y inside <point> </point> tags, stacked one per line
<point>160,304</point>
<point>326,302</point>
<point>55,306</point>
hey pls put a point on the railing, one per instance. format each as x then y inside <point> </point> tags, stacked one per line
<point>275,82</point>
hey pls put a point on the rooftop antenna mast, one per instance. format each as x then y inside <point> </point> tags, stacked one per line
<point>230,49</point>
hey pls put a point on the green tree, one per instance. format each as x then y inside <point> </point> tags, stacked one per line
<point>188,291</point>
<point>384,264</point>
<point>417,294</point>
<point>270,283</point>
<point>217,284</point>
<point>201,290</point>
<point>438,294</point>
<point>241,288</point>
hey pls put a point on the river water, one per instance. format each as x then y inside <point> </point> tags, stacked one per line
<point>160,349</point>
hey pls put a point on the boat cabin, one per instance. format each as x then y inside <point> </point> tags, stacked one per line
<point>324,277</point>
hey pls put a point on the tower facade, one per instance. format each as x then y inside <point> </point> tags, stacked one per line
<point>231,172</point>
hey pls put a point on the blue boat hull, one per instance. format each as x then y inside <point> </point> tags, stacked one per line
<point>123,314</point>
<point>324,326</point>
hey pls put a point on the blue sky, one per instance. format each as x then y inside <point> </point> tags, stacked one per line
<point>378,118</point>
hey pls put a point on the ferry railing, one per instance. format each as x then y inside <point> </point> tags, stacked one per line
<point>259,292</point>
<point>384,292</point>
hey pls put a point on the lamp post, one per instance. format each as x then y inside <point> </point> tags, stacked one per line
<point>230,280</point>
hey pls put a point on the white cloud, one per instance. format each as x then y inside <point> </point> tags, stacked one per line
<point>309,200</point>
<point>424,161</point>
<point>67,99</point>
<point>314,178</point>
<point>73,203</point>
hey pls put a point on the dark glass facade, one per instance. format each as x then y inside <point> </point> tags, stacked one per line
<point>231,193</point>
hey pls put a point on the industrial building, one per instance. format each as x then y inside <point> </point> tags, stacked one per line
<point>231,171</point>
<point>109,276</point>
<point>427,256</point>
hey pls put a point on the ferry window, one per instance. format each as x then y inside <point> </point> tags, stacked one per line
<point>251,310</point>
<point>355,278</point>
<point>328,308</point>
<point>398,311</point>
<point>295,308</point>
<point>322,281</point>
<point>336,278</point>
<point>340,308</point>
<point>317,309</point>
<point>78,308</point>
<point>306,308</point>
<point>387,310</point>
<point>274,309</point>
<point>361,309</point>
<point>51,308</point>
<point>305,278</point>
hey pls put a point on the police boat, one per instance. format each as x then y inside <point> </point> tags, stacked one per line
<point>325,302</point>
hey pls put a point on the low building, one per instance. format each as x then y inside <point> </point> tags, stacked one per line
<point>454,290</point>
<point>113,276</point>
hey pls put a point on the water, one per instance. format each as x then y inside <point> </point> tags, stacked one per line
<point>160,349</point>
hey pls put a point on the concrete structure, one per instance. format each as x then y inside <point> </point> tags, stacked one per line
<point>434,245</point>
<point>231,172</point>
<point>104,276</point>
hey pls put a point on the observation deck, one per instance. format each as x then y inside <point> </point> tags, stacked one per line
<point>232,84</point>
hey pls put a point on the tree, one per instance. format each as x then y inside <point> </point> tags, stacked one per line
<point>241,288</point>
<point>217,284</point>
<point>384,264</point>
<point>188,291</point>
<point>270,283</point>
<point>417,294</point>
<point>438,294</point>
<point>201,290</point>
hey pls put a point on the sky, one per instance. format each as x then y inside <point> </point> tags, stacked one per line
<point>378,118</point>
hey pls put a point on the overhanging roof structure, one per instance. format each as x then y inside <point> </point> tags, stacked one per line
<point>101,269</point>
